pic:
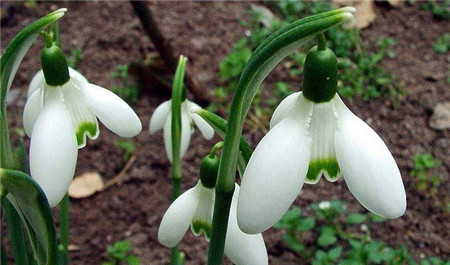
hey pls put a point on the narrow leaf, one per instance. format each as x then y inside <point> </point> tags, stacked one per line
<point>30,202</point>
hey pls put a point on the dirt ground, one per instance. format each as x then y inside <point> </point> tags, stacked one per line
<point>111,34</point>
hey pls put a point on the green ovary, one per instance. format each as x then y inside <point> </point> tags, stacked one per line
<point>85,128</point>
<point>199,226</point>
<point>319,166</point>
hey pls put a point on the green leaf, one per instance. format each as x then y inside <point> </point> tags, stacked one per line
<point>327,236</point>
<point>30,202</point>
<point>132,260</point>
<point>335,253</point>
<point>356,218</point>
<point>306,224</point>
<point>376,218</point>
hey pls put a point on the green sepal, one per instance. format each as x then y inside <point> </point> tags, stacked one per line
<point>31,203</point>
<point>219,125</point>
<point>54,65</point>
<point>209,168</point>
<point>319,166</point>
<point>320,75</point>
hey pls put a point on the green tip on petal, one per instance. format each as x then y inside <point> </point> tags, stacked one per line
<point>85,128</point>
<point>328,166</point>
<point>199,227</point>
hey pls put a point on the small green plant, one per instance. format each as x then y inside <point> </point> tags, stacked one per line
<point>127,91</point>
<point>440,9</point>
<point>76,55</point>
<point>331,235</point>
<point>423,163</point>
<point>127,149</point>
<point>120,254</point>
<point>442,45</point>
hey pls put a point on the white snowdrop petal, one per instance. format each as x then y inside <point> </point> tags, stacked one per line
<point>206,129</point>
<point>112,111</point>
<point>284,108</point>
<point>77,76</point>
<point>241,248</point>
<point>83,120</point>
<point>186,131</point>
<point>160,116</point>
<point>37,82</point>
<point>275,173</point>
<point>32,110</point>
<point>168,139</point>
<point>53,150</point>
<point>177,218</point>
<point>368,167</point>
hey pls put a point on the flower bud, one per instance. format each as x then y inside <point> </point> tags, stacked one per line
<point>209,168</point>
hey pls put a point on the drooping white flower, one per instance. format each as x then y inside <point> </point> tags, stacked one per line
<point>194,208</point>
<point>307,140</point>
<point>162,119</point>
<point>58,119</point>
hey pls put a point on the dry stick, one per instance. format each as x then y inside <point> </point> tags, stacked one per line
<point>118,178</point>
<point>165,50</point>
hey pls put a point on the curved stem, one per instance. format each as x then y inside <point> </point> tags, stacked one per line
<point>322,43</point>
<point>263,60</point>
<point>215,148</point>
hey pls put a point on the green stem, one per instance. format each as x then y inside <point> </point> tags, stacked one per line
<point>217,241</point>
<point>322,43</point>
<point>215,148</point>
<point>177,95</point>
<point>263,60</point>
<point>64,226</point>
<point>18,244</point>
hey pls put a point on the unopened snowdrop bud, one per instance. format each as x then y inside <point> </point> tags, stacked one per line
<point>209,168</point>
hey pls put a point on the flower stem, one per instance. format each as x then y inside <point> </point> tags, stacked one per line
<point>215,148</point>
<point>177,95</point>
<point>64,230</point>
<point>263,60</point>
<point>322,42</point>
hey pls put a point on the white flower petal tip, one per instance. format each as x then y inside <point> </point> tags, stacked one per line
<point>284,108</point>
<point>53,151</point>
<point>270,184</point>
<point>368,167</point>
<point>177,218</point>
<point>112,111</point>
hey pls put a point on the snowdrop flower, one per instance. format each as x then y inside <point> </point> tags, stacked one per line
<point>162,119</point>
<point>59,117</point>
<point>194,208</point>
<point>314,133</point>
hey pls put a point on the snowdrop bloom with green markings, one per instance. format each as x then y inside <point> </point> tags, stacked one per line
<point>59,115</point>
<point>312,134</point>
<point>194,208</point>
<point>162,119</point>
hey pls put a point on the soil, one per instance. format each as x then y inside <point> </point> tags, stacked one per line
<point>111,34</point>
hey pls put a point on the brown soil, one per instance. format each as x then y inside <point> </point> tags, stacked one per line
<point>205,31</point>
